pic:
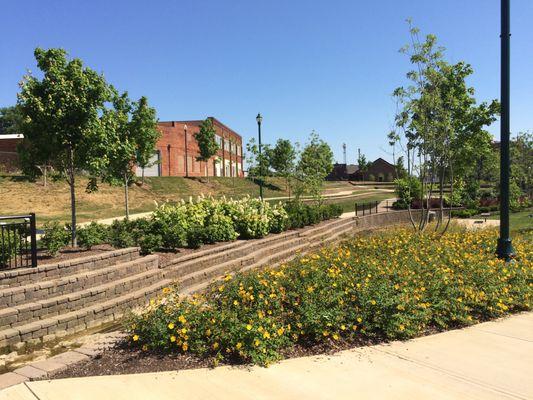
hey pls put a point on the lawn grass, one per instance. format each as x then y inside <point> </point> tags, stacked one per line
<point>20,196</point>
<point>518,220</point>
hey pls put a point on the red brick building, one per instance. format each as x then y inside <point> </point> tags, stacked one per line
<point>177,149</point>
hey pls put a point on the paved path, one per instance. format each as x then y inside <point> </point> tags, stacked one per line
<point>492,360</point>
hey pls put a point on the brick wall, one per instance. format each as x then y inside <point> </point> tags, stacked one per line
<point>171,147</point>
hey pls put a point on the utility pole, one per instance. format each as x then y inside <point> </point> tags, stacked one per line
<point>344,152</point>
<point>505,247</point>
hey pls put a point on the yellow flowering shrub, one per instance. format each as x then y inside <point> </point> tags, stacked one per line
<point>390,285</point>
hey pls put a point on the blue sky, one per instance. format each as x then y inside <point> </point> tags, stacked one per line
<point>324,65</point>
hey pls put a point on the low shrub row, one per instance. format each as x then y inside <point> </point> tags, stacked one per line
<point>193,223</point>
<point>301,214</point>
<point>393,285</point>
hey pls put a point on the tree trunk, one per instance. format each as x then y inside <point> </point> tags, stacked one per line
<point>71,182</point>
<point>142,177</point>
<point>126,197</point>
<point>44,174</point>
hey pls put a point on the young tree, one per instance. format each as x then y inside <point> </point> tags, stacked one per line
<point>316,162</point>
<point>282,159</point>
<point>132,139</point>
<point>144,125</point>
<point>62,112</point>
<point>206,142</point>
<point>258,166</point>
<point>439,120</point>
<point>363,164</point>
<point>521,161</point>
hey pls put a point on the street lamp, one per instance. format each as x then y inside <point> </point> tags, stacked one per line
<point>186,154</point>
<point>259,119</point>
<point>505,247</point>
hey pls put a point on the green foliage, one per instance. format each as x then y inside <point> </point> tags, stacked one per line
<point>11,119</point>
<point>316,162</point>
<point>55,237</point>
<point>407,189</point>
<point>521,161</point>
<point>62,125</point>
<point>393,285</point>
<point>301,214</point>
<point>258,165</point>
<point>206,140</point>
<point>92,234</point>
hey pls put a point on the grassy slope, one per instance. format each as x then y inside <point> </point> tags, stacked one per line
<point>518,220</point>
<point>18,196</point>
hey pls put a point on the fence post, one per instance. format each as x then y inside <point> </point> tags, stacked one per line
<point>33,229</point>
<point>370,208</point>
<point>356,209</point>
<point>363,209</point>
<point>376,206</point>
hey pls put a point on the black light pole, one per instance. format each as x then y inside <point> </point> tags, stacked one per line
<point>505,247</point>
<point>259,119</point>
<point>186,153</point>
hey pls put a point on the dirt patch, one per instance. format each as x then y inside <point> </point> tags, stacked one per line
<point>123,359</point>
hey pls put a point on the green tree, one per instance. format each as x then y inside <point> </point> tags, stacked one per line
<point>62,113</point>
<point>363,164</point>
<point>258,166</point>
<point>132,139</point>
<point>144,125</point>
<point>439,120</point>
<point>521,161</point>
<point>282,159</point>
<point>10,120</point>
<point>206,140</point>
<point>316,162</point>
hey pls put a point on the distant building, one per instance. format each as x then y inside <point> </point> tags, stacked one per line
<point>380,171</point>
<point>9,159</point>
<point>342,172</point>
<point>172,158</point>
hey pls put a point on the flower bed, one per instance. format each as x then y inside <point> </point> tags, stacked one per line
<point>384,286</point>
<point>193,223</point>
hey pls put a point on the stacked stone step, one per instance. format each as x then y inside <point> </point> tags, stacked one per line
<point>55,300</point>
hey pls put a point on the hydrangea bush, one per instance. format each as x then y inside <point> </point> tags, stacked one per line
<point>384,286</point>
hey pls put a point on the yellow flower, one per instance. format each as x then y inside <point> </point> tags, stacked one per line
<point>171,326</point>
<point>335,336</point>
<point>359,320</point>
<point>280,331</point>
<point>185,346</point>
<point>182,319</point>
<point>173,338</point>
<point>249,327</point>
<point>238,345</point>
<point>166,290</point>
<point>215,345</point>
<point>402,328</point>
<point>135,338</point>
<point>235,303</point>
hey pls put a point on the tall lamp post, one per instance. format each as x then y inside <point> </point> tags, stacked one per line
<point>505,247</point>
<point>259,119</point>
<point>186,153</point>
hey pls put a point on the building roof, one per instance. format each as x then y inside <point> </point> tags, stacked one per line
<point>12,136</point>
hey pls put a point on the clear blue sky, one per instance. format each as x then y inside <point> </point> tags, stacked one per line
<point>304,64</point>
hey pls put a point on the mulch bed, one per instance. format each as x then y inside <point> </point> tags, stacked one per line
<point>123,359</point>
<point>68,253</point>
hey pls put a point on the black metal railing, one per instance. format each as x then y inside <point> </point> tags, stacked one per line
<point>366,208</point>
<point>18,242</point>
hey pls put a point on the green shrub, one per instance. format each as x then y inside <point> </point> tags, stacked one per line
<point>92,235</point>
<point>466,213</point>
<point>55,237</point>
<point>120,234</point>
<point>150,242</point>
<point>278,218</point>
<point>393,285</point>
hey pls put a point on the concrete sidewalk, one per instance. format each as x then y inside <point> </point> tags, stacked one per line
<point>492,360</point>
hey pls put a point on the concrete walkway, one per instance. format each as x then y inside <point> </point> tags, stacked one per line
<point>492,360</point>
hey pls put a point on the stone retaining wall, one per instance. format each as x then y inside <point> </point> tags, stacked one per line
<point>55,270</point>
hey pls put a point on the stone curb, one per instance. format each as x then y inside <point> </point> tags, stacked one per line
<point>44,368</point>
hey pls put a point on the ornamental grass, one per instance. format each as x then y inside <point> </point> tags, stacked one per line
<point>388,285</point>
